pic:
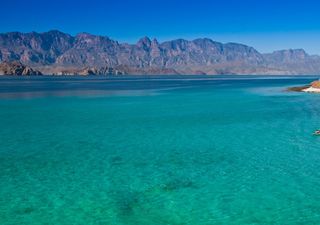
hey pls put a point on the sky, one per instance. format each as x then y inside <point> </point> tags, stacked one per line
<point>267,25</point>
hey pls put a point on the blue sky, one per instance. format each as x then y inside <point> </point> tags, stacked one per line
<point>266,25</point>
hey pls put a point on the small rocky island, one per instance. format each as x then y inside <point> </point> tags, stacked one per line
<point>314,87</point>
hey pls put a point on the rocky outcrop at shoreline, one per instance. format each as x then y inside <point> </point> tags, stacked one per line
<point>314,87</point>
<point>17,68</point>
<point>104,71</point>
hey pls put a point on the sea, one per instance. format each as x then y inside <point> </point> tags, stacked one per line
<point>158,150</point>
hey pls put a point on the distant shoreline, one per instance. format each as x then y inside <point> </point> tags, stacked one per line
<point>166,76</point>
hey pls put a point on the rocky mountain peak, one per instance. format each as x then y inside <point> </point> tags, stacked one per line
<point>294,54</point>
<point>154,42</point>
<point>84,35</point>
<point>55,32</point>
<point>288,56</point>
<point>144,42</point>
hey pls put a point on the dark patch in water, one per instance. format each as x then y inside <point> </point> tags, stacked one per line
<point>177,184</point>
<point>25,210</point>
<point>126,201</point>
<point>116,160</point>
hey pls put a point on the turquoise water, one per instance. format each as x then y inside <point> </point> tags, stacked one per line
<point>160,151</point>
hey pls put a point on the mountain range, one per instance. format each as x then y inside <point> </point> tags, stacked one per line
<point>58,53</point>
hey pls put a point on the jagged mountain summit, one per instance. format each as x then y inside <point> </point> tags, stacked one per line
<point>55,52</point>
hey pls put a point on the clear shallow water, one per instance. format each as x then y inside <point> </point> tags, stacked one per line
<point>160,151</point>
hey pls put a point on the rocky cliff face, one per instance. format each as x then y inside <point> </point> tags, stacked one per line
<point>16,68</point>
<point>295,61</point>
<point>34,48</point>
<point>55,51</point>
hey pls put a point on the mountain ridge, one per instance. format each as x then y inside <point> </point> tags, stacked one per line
<point>54,51</point>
